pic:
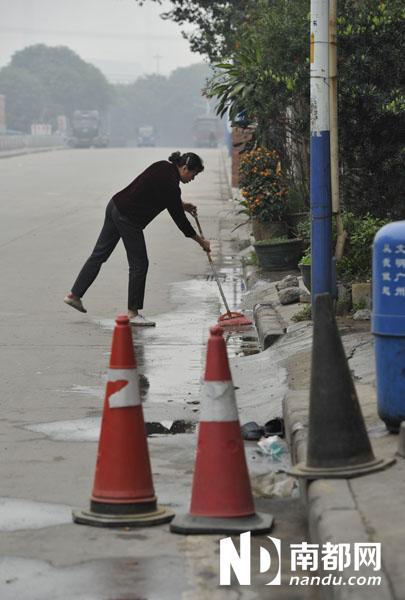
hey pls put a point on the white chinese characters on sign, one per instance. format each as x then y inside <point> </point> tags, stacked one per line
<point>393,271</point>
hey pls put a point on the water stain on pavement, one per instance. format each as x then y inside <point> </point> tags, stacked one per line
<point>170,359</point>
<point>172,356</point>
<point>18,514</point>
<point>77,430</point>
<point>124,578</point>
<point>88,429</point>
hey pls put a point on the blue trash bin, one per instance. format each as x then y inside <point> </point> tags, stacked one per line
<point>388,322</point>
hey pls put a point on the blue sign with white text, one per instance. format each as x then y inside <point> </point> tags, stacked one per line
<point>388,322</point>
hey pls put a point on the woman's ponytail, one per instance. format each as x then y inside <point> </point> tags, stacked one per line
<point>191,160</point>
<point>175,157</point>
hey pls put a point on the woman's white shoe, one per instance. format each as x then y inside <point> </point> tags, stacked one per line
<point>141,321</point>
<point>74,303</point>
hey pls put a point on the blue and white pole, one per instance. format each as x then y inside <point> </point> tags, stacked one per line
<point>321,209</point>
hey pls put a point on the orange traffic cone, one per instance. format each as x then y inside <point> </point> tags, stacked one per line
<point>221,497</point>
<point>123,493</point>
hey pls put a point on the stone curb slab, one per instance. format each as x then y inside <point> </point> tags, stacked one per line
<point>268,323</point>
<point>333,514</point>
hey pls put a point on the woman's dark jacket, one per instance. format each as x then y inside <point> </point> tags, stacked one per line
<point>157,188</point>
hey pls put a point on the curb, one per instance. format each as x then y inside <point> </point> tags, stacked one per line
<point>334,514</point>
<point>269,324</point>
<point>268,321</point>
<point>332,511</point>
<point>24,151</point>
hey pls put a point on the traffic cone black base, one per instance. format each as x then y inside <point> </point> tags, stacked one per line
<point>338,443</point>
<point>158,517</point>
<point>302,470</point>
<point>188,524</point>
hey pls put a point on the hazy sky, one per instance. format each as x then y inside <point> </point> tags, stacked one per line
<point>121,38</point>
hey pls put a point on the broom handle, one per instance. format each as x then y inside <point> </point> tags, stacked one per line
<point>214,272</point>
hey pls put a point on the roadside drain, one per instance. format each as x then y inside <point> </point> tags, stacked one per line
<point>242,343</point>
<point>172,427</point>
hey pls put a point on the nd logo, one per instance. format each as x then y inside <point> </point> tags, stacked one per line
<point>240,562</point>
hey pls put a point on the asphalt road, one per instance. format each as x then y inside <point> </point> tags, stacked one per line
<point>53,362</point>
<point>52,357</point>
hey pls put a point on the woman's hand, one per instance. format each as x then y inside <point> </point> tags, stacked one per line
<point>190,208</point>
<point>205,244</point>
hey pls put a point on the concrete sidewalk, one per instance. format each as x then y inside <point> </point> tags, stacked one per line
<point>363,509</point>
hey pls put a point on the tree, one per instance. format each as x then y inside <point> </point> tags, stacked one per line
<point>24,98</point>
<point>269,73</point>
<point>170,104</point>
<point>214,23</point>
<point>371,44</point>
<point>56,78</point>
<point>268,80</point>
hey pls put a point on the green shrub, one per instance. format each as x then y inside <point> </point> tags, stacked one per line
<point>303,315</point>
<point>277,240</point>
<point>356,263</point>
<point>263,185</point>
<point>306,257</point>
<point>250,260</point>
<point>303,231</point>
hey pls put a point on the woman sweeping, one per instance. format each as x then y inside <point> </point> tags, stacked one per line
<point>128,213</point>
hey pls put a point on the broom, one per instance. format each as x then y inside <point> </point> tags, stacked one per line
<point>228,319</point>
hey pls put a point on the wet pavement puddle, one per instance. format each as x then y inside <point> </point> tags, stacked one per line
<point>78,430</point>
<point>170,357</point>
<point>16,514</point>
<point>88,429</point>
<point>120,578</point>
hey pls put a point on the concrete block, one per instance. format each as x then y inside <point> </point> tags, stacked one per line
<point>361,294</point>
<point>331,494</point>
<point>268,324</point>
<point>305,298</point>
<point>287,282</point>
<point>362,315</point>
<point>289,295</point>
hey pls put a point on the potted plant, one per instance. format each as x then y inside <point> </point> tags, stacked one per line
<point>278,254</point>
<point>298,207</point>
<point>264,192</point>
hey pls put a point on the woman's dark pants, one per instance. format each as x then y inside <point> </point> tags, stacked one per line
<point>117,226</point>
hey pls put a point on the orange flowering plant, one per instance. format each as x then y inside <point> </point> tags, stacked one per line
<point>263,185</point>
